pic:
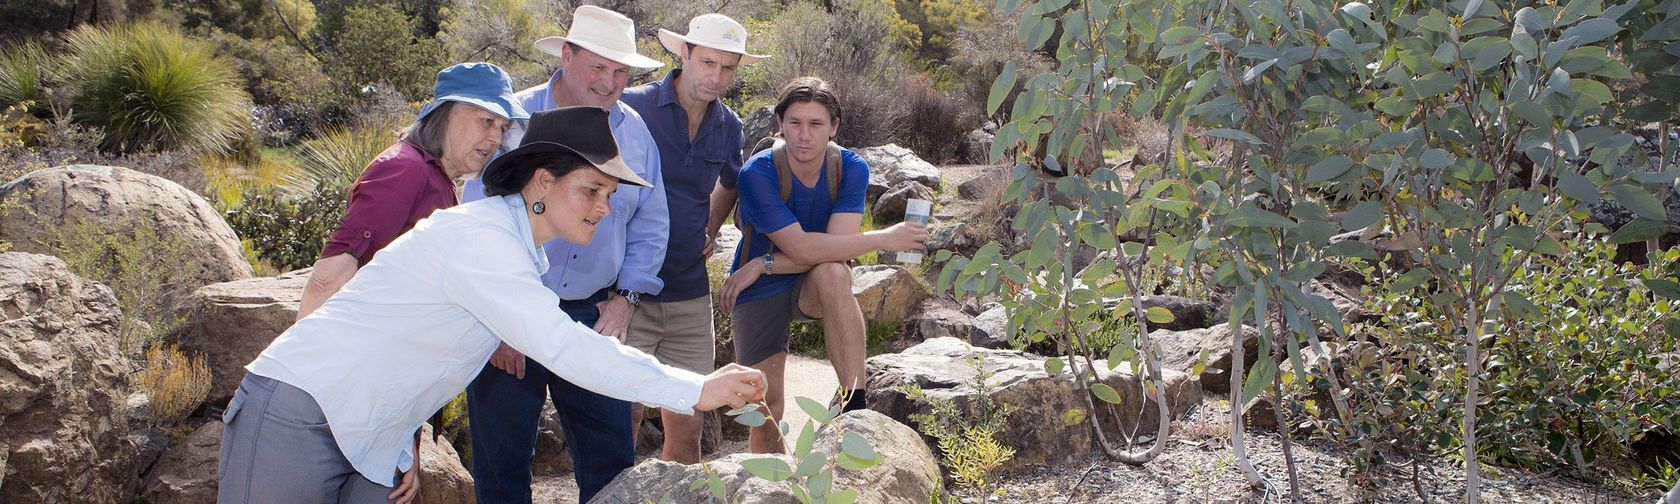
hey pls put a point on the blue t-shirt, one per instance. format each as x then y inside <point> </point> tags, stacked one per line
<point>809,207</point>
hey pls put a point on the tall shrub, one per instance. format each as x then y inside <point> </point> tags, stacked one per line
<point>23,74</point>
<point>148,87</point>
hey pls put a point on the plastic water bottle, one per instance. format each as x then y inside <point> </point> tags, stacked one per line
<point>915,210</point>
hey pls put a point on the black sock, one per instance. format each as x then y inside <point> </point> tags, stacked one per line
<point>856,401</point>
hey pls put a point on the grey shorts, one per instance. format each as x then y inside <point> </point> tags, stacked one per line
<point>760,326</point>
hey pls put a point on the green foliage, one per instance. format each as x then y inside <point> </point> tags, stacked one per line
<point>286,232</point>
<point>1576,375</point>
<point>968,445</point>
<point>23,74</point>
<point>335,160</point>
<point>377,45</point>
<point>806,338</point>
<point>500,31</point>
<point>293,99</point>
<point>147,271</point>
<point>147,86</point>
<point>811,478</point>
<point>273,20</point>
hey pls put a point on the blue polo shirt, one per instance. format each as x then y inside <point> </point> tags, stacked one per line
<point>807,207</point>
<point>690,169</point>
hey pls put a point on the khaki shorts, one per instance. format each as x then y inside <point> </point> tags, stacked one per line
<point>761,326</point>
<point>678,333</point>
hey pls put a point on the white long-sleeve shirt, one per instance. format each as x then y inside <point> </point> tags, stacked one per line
<point>420,321</point>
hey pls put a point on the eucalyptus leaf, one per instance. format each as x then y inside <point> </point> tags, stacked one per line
<point>1577,187</point>
<point>1641,229</point>
<point>1362,215</point>
<point>1001,87</point>
<point>1639,201</point>
<point>1105,393</point>
<point>767,468</point>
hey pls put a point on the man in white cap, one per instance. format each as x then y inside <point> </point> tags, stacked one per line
<point>598,284</point>
<point>700,144</point>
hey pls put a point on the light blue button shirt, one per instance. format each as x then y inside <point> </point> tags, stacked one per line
<point>629,245</point>
<point>420,321</point>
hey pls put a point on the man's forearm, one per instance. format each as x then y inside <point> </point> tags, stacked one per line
<point>811,249</point>
<point>722,202</point>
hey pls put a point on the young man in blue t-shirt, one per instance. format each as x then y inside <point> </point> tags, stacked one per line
<point>794,264</point>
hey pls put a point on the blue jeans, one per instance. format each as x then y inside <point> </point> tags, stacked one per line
<point>504,412</point>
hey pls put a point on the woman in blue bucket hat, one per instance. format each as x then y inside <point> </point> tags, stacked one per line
<point>454,137</point>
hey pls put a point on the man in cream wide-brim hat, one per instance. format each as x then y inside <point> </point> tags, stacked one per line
<point>598,283</point>
<point>700,149</point>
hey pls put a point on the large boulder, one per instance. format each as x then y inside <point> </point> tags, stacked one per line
<point>890,165</point>
<point>115,199</point>
<point>723,249</point>
<point>187,473</point>
<point>889,209</point>
<point>64,387</point>
<point>551,458</point>
<point>887,293</point>
<point>443,480</point>
<point>234,321</point>
<point>907,472</point>
<point>941,367</point>
<point>1181,350</point>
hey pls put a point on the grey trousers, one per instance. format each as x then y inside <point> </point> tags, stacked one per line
<point>278,448</point>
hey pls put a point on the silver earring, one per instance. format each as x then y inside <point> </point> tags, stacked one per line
<point>538,208</point>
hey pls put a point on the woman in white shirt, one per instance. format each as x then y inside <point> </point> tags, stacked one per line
<point>330,412</point>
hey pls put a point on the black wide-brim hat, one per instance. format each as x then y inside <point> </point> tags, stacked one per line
<point>583,131</point>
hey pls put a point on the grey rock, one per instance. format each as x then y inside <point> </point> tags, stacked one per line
<point>887,293</point>
<point>990,329</point>
<point>1181,350</point>
<point>889,209</point>
<point>907,473</point>
<point>890,165</point>
<point>939,318</point>
<point>757,126</point>
<point>187,472</point>
<point>235,321</point>
<point>443,480</point>
<point>551,458</point>
<point>941,368</point>
<point>1187,313</point>
<point>64,387</point>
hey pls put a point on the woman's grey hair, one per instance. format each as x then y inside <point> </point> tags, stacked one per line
<point>427,134</point>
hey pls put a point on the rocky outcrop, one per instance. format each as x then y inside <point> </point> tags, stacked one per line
<point>889,209</point>
<point>64,387</point>
<point>443,480</point>
<point>235,321</point>
<point>1036,431</point>
<point>1182,349</point>
<point>115,199</point>
<point>886,293</point>
<point>890,165</point>
<point>551,458</point>
<point>906,474</point>
<point>187,473</point>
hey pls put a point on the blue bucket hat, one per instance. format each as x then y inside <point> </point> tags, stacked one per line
<point>481,84</point>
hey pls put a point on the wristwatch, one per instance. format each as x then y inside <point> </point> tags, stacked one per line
<point>635,298</point>
<point>769,264</point>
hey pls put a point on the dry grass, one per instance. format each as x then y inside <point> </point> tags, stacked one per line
<point>175,382</point>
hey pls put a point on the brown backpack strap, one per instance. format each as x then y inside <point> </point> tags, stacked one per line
<point>834,171</point>
<point>784,177</point>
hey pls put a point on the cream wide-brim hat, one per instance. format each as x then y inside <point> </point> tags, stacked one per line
<point>716,31</point>
<point>604,32</point>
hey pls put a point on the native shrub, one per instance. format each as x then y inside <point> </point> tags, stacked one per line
<point>23,74</point>
<point>288,232</point>
<point>148,87</point>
